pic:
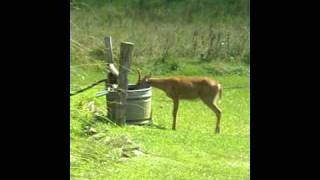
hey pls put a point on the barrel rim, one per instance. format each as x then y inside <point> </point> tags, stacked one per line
<point>137,90</point>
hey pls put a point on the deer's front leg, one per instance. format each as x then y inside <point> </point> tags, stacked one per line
<point>174,113</point>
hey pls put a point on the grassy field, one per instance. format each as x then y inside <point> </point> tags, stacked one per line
<point>180,37</point>
<point>213,30</point>
<point>193,151</point>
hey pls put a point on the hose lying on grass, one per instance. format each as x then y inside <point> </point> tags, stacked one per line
<point>112,79</point>
<point>91,86</point>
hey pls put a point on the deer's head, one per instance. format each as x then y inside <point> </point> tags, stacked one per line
<point>144,82</point>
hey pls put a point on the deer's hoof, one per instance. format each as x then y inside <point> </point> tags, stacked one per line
<point>217,130</point>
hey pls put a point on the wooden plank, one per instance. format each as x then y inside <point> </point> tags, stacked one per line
<point>125,63</point>
<point>109,59</point>
<point>108,43</point>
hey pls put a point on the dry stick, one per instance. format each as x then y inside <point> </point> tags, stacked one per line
<point>210,45</point>
<point>194,40</point>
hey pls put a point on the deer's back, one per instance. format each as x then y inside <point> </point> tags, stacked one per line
<point>192,87</point>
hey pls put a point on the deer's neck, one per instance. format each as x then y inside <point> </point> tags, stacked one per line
<point>158,83</point>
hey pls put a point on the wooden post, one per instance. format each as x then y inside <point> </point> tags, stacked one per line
<point>125,63</point>
<point>109,59</point>
<point>108,43</point>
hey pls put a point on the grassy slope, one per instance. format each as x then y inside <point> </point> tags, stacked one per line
<point>191,152</point>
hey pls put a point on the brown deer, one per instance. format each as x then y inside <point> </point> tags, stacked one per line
<point>188,88</point>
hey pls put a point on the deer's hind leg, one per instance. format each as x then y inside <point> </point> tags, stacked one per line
<point>218,112</point>
<point>211,102</point>
<point>174,112</point>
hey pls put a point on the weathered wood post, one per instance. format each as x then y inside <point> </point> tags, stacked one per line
<point>109,57</point>
<point>109,62</point>
<point>108,43</point>
<point>125,63</point>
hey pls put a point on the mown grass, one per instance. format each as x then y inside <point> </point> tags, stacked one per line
<point>172,37</point>
<point>193,151</point>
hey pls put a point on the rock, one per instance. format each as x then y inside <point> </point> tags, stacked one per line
<point>98,136</point>
<point>91,106</point>
<point>125,140</point>
<point>137,152</point>
<point>131,152</point>
<point>125,154</point>
<point>92,130</point>
<point>123,159</point>
<point>128,141</point>
<point>131,149</point>
<point>107,140</point>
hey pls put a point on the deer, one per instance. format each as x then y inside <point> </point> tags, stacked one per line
<point>187,88</point>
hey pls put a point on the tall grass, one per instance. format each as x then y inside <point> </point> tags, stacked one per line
<point>208,30</point>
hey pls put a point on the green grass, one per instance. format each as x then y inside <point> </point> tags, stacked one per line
<point>193,151</point>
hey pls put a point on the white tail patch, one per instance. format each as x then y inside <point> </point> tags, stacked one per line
<point>216,98</point>
<point>219,87</point>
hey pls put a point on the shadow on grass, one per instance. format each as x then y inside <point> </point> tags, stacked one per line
<point>155,126</point>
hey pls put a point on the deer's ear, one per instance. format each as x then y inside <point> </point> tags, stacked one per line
<point>139,74</point>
